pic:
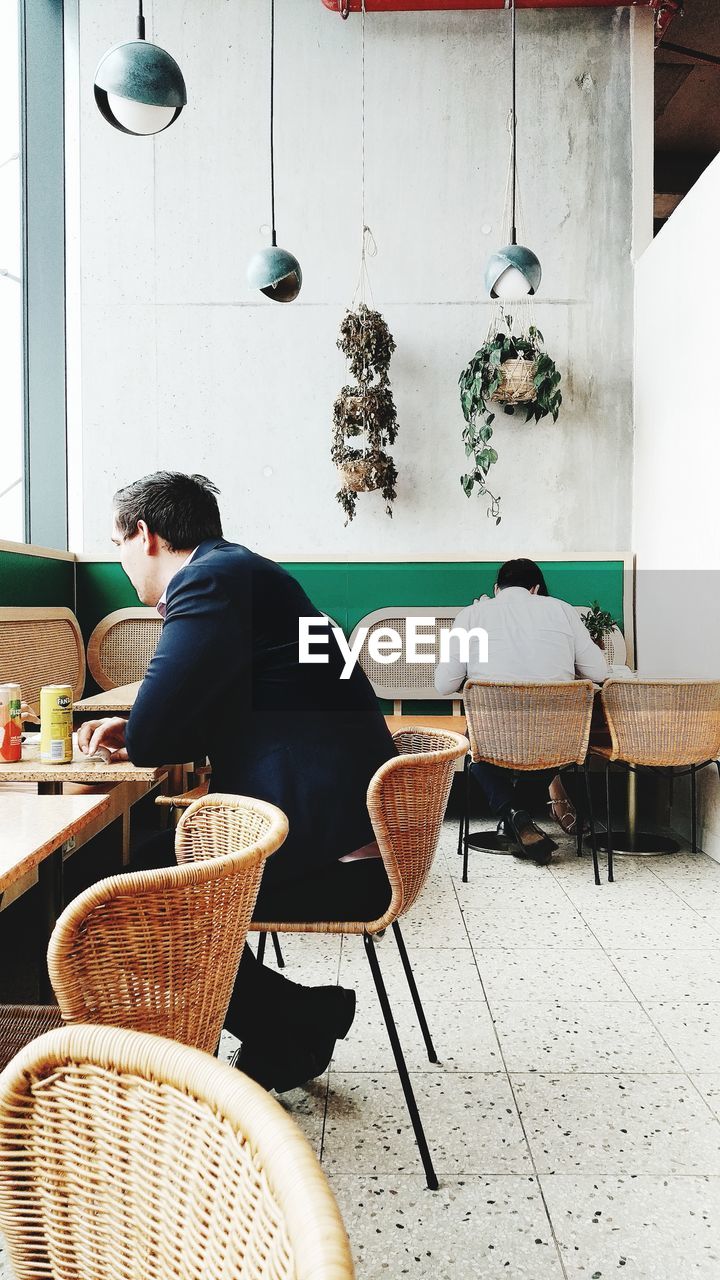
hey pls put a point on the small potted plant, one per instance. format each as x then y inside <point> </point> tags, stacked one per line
<point>601,625</point>
<point>364,414</point>
<point>509,369</point>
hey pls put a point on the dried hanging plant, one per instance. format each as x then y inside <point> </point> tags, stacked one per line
<point>365,409</point>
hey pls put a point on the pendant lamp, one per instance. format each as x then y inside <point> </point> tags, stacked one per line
<point>514,271</point>
<point>139,87</point>
<point>274,271</point>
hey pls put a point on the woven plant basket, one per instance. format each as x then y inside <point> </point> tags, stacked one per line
<point>363,475</point>
<point>516,386</point>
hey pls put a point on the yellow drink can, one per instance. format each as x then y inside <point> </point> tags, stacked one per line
<point>56,722</point>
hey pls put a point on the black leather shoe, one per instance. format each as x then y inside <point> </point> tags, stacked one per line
<point>317,1012</point>
<point>288,1064</point>
<point>531,842</point>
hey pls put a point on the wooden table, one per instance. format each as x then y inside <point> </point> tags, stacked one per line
<point>34,831</point>
<point>51,777</point>
<point>120,699</point>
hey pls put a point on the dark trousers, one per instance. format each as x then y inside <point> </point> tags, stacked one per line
<point>264,1004</point>
<point>499,785</point>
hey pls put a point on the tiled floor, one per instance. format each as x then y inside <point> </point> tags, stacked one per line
<point>574,1118</point>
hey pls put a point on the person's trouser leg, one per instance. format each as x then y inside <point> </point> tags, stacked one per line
<point>497,784</point>
<point>264,1000</point>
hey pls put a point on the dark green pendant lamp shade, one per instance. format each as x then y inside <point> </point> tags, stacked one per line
<point>139,87</point>
<point>275,272</point>
<point>513,272</point>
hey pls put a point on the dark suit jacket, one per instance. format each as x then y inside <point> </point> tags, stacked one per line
<point>225,681</point>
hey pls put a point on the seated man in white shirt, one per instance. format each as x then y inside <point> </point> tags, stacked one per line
<point>531,636</point>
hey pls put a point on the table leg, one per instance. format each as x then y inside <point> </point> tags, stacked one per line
<point>632,842</point>
<point>50,888</point>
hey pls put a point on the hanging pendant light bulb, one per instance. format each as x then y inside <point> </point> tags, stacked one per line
<point>275,272</point>
<point>514,271</point>
<point>139,87</point>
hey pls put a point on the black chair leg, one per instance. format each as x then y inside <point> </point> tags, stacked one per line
<point>466,833</point>
<point>579,819</point>
<point>430,1175</point>
<point>693,808</point>
<point>463,810</point>
<point>278,952</point>
<point>591,821</point>
<point>260,957</point>
<point>414,993</point>
<point>608,809</point>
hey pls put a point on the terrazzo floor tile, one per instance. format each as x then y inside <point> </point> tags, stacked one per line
<point>470,1122</point>
<point>5,1271</point>
<point>530,926</point>
<point>677,928</point>
<point>671,975</point>
<point>463,1035</point>
<point>639,893</point>
<point>644,1228</point>
<point>440,974</point>
<point>602,1125</point>
<point>708,1084</point>
<point>494,1228</point>
<point>549,974</point>
<point>691,1029</point>
<point>592,1036</point>
<point>439,926</point>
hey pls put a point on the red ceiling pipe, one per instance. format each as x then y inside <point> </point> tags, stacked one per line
<point>665,10</point>
<point>416,6</point>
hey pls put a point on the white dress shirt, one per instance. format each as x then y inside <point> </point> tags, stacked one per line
<point>529,638</point>
<point>161,605</point>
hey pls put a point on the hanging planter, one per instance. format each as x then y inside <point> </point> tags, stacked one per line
<point>512,370</point>
<point>365,410</point>
<point>517,381</point>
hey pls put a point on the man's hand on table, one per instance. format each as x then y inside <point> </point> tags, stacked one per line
<point>108,733</point>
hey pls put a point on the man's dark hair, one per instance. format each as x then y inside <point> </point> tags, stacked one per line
<point>180,509</point>
<point>521,573</point>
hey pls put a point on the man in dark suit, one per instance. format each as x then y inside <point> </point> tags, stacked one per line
<point>226,681</point>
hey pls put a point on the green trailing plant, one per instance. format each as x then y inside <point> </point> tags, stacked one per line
<point>599,623</point>
<point>484,381</point>
<point>364,413</point>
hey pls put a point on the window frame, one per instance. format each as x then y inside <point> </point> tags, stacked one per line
<point>42,154</point>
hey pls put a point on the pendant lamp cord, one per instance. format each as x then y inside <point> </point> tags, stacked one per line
<point>513,233</point>
<point>140,21</point>
<point>272,120</point>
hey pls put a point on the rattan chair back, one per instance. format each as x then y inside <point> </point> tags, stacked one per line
<point>663,722</point>
<point>41,646</point>
<point>125,1155</point>
<point>407,799</point>
<point>159,950</point>
<point>403,679</point>
<point>121,646</point>
<point>529,726</point>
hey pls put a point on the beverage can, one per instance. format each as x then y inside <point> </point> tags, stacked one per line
<point>56,722</point>
<point>10,723</point>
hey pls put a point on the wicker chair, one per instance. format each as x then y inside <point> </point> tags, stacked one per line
<point>121,646</point>
<point>126,1155</point>
<point>41,646</point>
<point>159,950</point>
<point>407,798</point>
<point>667,725</point>
<point>524,728</point>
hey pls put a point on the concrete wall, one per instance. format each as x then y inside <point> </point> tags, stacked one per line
<point>677,462</point>
<point>183,367</point>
